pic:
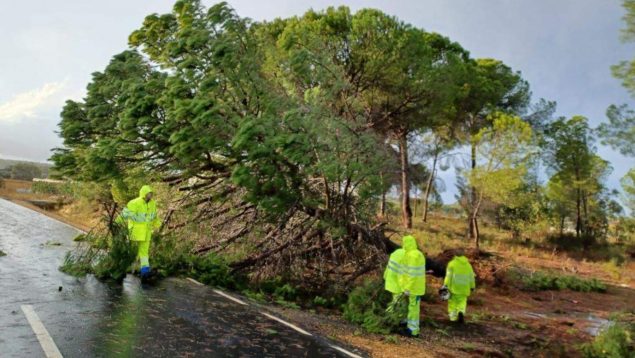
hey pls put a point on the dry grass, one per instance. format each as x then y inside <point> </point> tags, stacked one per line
<point>442,233</point>
<point>80,214</point>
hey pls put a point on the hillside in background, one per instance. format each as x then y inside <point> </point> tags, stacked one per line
<point>7,164</point>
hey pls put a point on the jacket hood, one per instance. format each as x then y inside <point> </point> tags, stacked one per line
<point>144,191</point>
<point>409,243</point>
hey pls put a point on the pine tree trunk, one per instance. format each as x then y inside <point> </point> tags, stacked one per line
<point>429,188</point>
<point>382,205</point>
<point>561,225</point>
<point>416,203</point>
<point>382,208</point>
<point>578,219</point>
<point>473,227</point>
<point>585,218</point>
<point>405,182</point>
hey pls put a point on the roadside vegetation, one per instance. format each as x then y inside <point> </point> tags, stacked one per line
<point>616,341</point>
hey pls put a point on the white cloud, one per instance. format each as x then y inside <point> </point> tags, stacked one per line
<point>27,104</point>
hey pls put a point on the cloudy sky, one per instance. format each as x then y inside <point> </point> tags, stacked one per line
<point>564,48</point>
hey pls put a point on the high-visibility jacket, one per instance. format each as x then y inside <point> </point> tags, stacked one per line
<point>141,216</point>
<point>459,276</point>
<point>406,270</point>
<point>391,274</point>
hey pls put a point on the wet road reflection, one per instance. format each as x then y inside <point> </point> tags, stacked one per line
<point>88,318</point>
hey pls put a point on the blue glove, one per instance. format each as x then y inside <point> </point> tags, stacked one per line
<point>145,271</point>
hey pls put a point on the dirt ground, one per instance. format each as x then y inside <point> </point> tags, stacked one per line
<point>501,323</point>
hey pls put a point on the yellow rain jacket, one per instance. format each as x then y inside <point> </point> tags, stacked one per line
<point>406,270</point>
<point>459,276</point>
<point>141,216</point>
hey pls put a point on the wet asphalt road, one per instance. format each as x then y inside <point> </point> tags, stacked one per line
<point>88,318</point>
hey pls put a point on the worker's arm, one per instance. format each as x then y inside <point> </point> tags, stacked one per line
<point>447,282</point>
<point>127,213</point>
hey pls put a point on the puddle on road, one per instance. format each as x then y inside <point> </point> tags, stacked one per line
<point>593,324</point>
<point>597,325</point>
<point>534,315</point>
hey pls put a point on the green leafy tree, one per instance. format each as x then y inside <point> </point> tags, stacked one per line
<point>437,146</point>
<point>628,186</point>
<point>198,103</point>
<point>504,150</point>
<point>25,171</point>
<point>490,86</point>
<point>625,70</point>
<point>619,132</point>
<point>524,207</point>
<point>576,187</point>
<point>395,78</point>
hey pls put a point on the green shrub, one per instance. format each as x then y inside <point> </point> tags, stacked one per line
<point>542,281</point>
<point>320,301</point>
<point>68,189</point>
<point>285,292</point>
<point>105,256</point>
<point>171,255</point>
<point>330,302</point>
<point>255,295</point>
<point>367,305</point>
<point>615,342</point>
<point>212,270</point>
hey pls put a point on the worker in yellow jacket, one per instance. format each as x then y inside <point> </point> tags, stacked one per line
<point>459,283</point>
<point>405,274</point>
<point>141,216</point>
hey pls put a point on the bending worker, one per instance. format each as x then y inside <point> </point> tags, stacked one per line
<point>460,282</point>
<point>406,275</point>
<point>141,215</point>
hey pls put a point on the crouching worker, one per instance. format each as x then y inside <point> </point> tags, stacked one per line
<point>405,275</point>
<point>458,285</point>
<point>141,217</point>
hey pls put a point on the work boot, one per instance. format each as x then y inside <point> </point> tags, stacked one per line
<point>407,333</point>
<point>145,272</point>
<point>461,318</point>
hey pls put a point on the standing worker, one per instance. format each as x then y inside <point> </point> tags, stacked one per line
<point>406,275</point>
<point>459,283</point>
<point>141,215</point>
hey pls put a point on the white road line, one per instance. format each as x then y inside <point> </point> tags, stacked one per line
<point>230,297</point>
<point>68,225</point>
<point>193,280</point>
<point>287,324</point>
<point>49,347</point>
<point>219,292</point>
<point>350,354</point>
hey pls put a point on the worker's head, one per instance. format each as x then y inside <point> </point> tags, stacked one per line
<point>146,193</point>
<point>459,252</point>
<point>409,243</point>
